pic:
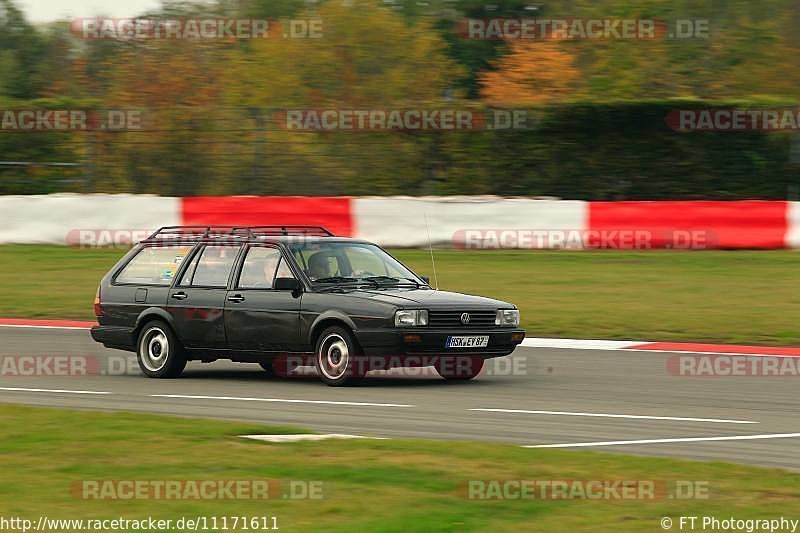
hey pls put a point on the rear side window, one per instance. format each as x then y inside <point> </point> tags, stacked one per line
<point>154,265</point>
<point>258,270</point>
<point>215,266</point>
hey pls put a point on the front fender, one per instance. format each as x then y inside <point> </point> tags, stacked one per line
<point>331,315</point>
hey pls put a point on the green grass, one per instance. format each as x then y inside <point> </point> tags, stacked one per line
<point>370,485</point>
<point>713,296</point>
<point>51,281</point>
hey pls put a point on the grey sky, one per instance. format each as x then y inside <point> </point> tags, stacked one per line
<point>49,10</point>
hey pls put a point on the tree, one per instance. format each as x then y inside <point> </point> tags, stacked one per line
<point>368,57</point>
<point>531,73</point>
<point>22,49</point>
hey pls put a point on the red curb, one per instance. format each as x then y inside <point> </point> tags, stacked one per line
<point>31,323</point>
<point>690,347</point>
<point>718,348</point>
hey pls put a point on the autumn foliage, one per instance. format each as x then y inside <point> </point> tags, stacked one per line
<point>531,73</point>
<point>595,107</point>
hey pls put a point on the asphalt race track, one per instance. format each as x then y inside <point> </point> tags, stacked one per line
<point>567,397</point>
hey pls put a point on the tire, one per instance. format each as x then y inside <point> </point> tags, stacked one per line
<point>337,358</point>
<point>158,351</point>
<point>459,367</point>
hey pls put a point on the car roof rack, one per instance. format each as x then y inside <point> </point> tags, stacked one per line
<point>235,232</point>
<point>270,231</point>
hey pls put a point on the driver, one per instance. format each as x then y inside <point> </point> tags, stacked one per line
<point>319,266</point>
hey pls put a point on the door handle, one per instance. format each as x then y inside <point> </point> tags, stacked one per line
<point>180,295</point>
<point>235,298</point>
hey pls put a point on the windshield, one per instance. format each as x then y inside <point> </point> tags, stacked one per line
<point>350,262</point>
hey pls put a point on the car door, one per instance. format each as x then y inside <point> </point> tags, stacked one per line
<point>259,317</point>
<point>197,301</point>
<point>143,282</point>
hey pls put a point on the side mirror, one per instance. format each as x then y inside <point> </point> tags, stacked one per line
<point>286,284</point>
<point>426,279</point>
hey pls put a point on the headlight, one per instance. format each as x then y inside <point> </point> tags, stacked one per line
<point>411,317</point>
<point>507,317</point>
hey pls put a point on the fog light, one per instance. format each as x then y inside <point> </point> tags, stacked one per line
<point>411,338</point>
<point>517,337</point>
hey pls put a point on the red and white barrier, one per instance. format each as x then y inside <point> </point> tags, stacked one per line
<point>407,221</point>
<point>695,225</point>
<point>64,218</point>
<point>459,221</point>
<point>793,225</point>
<point>333,213</point>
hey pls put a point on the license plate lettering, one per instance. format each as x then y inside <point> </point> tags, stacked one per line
<point>473,341</point>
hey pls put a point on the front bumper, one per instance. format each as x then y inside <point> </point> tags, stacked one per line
<point>423,340</point>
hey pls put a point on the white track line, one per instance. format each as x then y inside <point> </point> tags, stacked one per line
<point>663,441</point>
<point>608,415</point>
<point>578,344</point>
<point>278,400</point>
<point>56,391</point>
<point>624,346</point>
<point>279,439</point>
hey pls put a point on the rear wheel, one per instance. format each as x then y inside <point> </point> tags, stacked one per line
<point>459,367</point>
<point>158,352</point>
<point>337,359</point>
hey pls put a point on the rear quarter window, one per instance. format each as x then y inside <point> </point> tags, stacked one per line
<point>153,265</point>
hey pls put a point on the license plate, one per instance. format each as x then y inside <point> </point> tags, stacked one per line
<point>473,341</point>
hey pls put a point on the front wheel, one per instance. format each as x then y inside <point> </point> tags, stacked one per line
<point>336,358</point>
<point>459,368</point>
<point>158,352</point>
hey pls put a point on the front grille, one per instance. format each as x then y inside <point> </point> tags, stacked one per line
<point>452,319</point>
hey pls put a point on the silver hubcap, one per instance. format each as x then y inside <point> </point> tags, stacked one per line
<point>154,349</point>
<point>333,356</point>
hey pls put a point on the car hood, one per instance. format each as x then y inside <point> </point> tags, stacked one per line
<point>430,299</point>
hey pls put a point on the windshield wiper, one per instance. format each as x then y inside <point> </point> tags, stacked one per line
<point>338,281</point>
<point>382,278</point>
<point>335,279</point>
<point>341,281</point>
<point>395,281</point>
